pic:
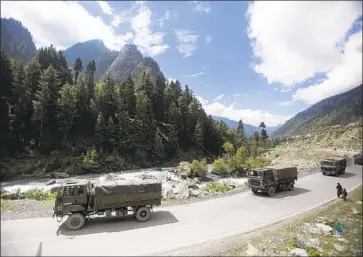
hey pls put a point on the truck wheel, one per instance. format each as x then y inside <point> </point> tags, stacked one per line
<point>143,214</point>
<point>253,190</point>
<point>324,173</point>
<point>75,221</point>
<point>271,191</point>
<point>291,186</point>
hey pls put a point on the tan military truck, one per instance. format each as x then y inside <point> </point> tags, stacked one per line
<point>333,166</point>
<point>269,179</point>
<point>82,199</point>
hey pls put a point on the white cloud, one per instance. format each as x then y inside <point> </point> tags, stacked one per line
<point>253,117</point>
<point>295,40</point>
<point>163,19</point>
<point>219,97</point>
<point>106,8</point>
<point>196,74</point>
<point>346,75</point>
<point>187,42</point>
<point>237,95</point>
<point>208,38</point>
<point>149,43</point>
<point>202,7</point>
<point>61,23</point>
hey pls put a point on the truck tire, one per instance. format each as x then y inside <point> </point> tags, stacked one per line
<point>271,191</point>
<point>291,186</point>
<point>324,173</point>
<point>254,190</point>
<point>143,214</point>
<point>75,221</point>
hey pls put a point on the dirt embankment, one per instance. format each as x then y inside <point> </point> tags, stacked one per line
<point>307,151</point>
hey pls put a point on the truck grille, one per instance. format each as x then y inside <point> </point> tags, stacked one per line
<point>255,182</point>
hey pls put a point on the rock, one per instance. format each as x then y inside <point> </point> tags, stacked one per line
<point>60,175</point>
<point>252,251</point>
<point>307,242</point>
<point>359,202</point>
<point>340,248</point>
<point>147,176</point>
<point>343,240</point>
<point>183,169</point>
<point>181,190</point>
<point>51,182</point>
<point>312,230</point>
<point>194,186</point>
<point>326,230</point>
<point>298,252</point>
<point>168,193</point>
<point>355,211</point>
<point>194,192</point>
<point>358,252</point>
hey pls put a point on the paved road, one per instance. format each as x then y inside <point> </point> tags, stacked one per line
<point>173,227</point>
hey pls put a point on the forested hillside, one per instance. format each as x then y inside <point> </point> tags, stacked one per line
<point>105,125</point>
<point>340,109</point>
<point>92,50</point>
<point>16,41</point>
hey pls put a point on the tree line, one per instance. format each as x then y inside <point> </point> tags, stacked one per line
<point>47,107</point>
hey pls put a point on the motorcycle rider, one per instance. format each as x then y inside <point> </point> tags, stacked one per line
<point>339,189</point>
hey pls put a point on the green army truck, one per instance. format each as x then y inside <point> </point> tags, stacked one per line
<point>269,179</point>
<point>82,199</point>
<point>358,159</point>
<point>333,166</point>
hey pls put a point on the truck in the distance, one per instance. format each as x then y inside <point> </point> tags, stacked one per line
<point>358,159</point>
<point>270,179</point>
<point>82,199</point>
<point>333,166</point>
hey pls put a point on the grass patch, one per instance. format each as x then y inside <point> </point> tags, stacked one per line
<point>281,241</point>
<point>36,194</point>
<point>6,205</point>
<point>214,187</point>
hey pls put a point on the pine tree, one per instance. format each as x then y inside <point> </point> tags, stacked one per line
<point>157,149</point>
<point>45,103</point>
<point>199,134</point>
<point>77,68</point>
<point>240,134</point>
<point>67,108</point>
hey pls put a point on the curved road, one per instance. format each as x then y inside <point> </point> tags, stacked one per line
<point>172,228</point>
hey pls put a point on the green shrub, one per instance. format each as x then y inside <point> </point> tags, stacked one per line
<point>312,251</point>
<point>257,162</point>
<point>199,168</point>
<point>37,194</point>
<point>221,167</point>
<point>214,187</point>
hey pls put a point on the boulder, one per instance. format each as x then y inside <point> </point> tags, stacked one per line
<point>252,251</point>
<point>181,190</point>
<point>340,248</point>
<point>183,170</point>
<point>307,242</point>
<point>298,252</point>
<point>194,192</point>
<point>168,193</point>
<point>343,240</point>
<point>325,229</point>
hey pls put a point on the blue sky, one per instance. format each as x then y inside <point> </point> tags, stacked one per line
<point>250,60</point>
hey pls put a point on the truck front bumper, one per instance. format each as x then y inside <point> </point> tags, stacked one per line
<point>258,188</point>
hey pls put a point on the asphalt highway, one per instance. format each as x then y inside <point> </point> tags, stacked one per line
<point>172,228</point>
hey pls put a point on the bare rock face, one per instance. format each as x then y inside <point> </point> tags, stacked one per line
<point>130,61</point>
<point>298,252</point>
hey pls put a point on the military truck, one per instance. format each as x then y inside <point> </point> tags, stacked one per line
<point>333,166</point>
<point>358,159</point>
<point>82,199</point>
<point>269,179</point>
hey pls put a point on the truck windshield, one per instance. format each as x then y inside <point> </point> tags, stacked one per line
<point>328,163</point>
<point>257,173</point>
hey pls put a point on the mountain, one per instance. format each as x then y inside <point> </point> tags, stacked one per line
<point>91,50</point>
<point>16,40</point>
<point>339,109</point>
<point>130,60</point>
<point>249,129</point>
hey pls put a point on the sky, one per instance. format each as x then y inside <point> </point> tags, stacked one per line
<point>255,61</point>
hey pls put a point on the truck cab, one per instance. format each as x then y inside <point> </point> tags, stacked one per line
<point>72,196</point>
